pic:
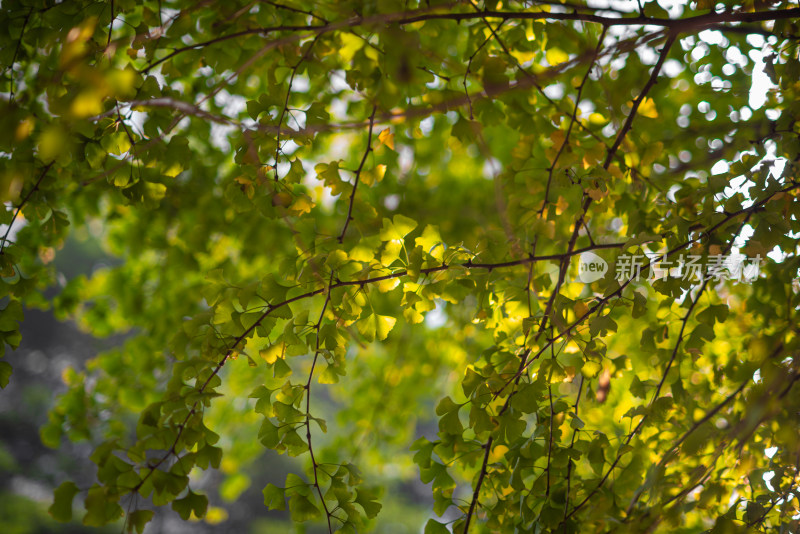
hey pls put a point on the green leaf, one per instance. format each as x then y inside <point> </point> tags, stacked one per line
<point>233,486</point>
<point>431,241</point>
<point>639,305</point>
<point>368,499</point>
<point>601,325</point>
<point>302,509</point>
<point>374,325</point>
<point>274,498</point>
<point>398,228</point>
<point>434,527</point>
<point>11,316</point>
<point>61,509</point>
<point>526,399</point>
<point>576,423</point>
<point>471,381</point>
<point>192,503</point>
<point>5,373</point>
<point>138,519</point>
<point>446,405</point>
<point>712,314</point>
<point>101,507</point>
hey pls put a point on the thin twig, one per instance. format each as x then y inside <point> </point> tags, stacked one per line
<point>575,108</point>
<point>572,444</point>
<point>358,175</point>
<point>665,373</point>
<point>286,101</point>
<point>111,24</point>
<point>314,464</point>
<point>21,205</point>
<point>16,52</point>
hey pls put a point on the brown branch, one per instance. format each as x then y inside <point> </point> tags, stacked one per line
<point>412,112</point>
<point>253,31</point>
<point>649,85</point>
<point>286,101</point>
<point>21,205</point>
<point>676,25</point>
<point>111,24</point>
<point>314,463</point>
<point>678,342</point>
<point>295,10</point>
<point>488,446</point>
<point>476,493</point>
<point>572,444</point>
<point>16,52</point>
<point>467,73</point>
<point>358,175</point>
<point>549,433</point>
<point>166,102</point>
<point>606,299</point>
<point>339,283</point>
<point>694,23</point>
<point>571,120</point>
<point>609,157</point>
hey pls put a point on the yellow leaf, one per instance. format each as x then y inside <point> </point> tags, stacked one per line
<point>387,285</point>
<point>597,118</point>
<point>385,325</point>
<point>174,170</point>
<point>24,129</point>
<point>216,515</point>
<point>272,353</point>
<point>556,55</point>
<point>413,316</point>
<point>648,108</point>
<point>362,252</point>
<point>561,205</point>
<point>431,242</point>
<point>301,205</point>
<point>371,176</point>
<point>52,143</point>
<point>498,451</point>
<point>522,57</point>
<point>386,137</point>
<point>86,104</point>
<point>351,44</point>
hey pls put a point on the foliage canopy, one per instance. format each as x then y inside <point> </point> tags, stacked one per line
<point>373,211</point>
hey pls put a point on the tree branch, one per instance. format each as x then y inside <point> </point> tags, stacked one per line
<point>358,175</point>
<point>314,464</point>
<point>571,120</point>
<point>286,101</point>
<point>22,205</point>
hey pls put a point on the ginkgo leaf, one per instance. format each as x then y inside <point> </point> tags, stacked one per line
<point>556,55</point>
<point>274,497</point>
<point>376,326</point>
<point>242,200</point>
<point>397,228</point>
<point>431,242</point>
<point>386,137</point>
<point>61,509</point>
<point>302,509</point>
<point>647,108</point>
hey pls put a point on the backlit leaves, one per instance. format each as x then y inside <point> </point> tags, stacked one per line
<point>472,157</point>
